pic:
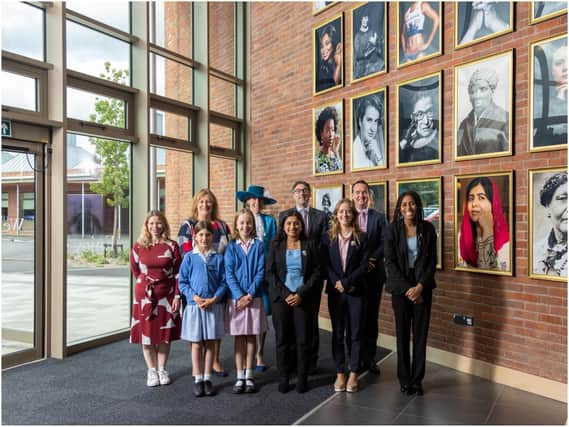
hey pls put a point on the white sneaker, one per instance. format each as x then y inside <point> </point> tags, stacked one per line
<point>163,377</point>
<point>152,379</point>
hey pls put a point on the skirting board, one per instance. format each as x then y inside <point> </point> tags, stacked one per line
<point>501,375</point>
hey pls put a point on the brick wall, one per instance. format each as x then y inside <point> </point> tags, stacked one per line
<point>520,323</point>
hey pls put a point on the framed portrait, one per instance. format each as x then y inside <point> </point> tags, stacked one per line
<point>476,21</point>
<point>328,147</point>
<point>328,56</point>
<point>418,31</point>
<point>548,224</point>
<point>542,10</point>
<point>319,6</point>
<point>325,198</point>
<point>369,44</point>
<point>483,107</point>
<point>368,133</point>
<point>548,94</point>
<point>418,121</point>
<point>431,196</point>
<point>483,223</point>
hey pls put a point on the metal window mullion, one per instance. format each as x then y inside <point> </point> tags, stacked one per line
<point>173,143</point>
<point>99,26</point>
<point>174,56</point>
<point>20,60</point>
<point>75,78</point>
<point>99,130</point>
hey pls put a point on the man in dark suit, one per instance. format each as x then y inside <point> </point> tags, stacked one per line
<point>373,223</point>
<point>316,226</point>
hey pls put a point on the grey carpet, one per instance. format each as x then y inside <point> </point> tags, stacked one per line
<point>107,385</point>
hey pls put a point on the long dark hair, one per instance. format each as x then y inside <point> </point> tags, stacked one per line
<point>281,235</point>
<point>417,199</point>
<point>487,186</point>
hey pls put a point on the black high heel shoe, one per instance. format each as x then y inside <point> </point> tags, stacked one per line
<point>404,388</point>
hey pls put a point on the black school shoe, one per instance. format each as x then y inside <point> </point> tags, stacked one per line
<point>250,386</point>
<point>199,389</point>
<point>239,386</point>
<point>208,388</point>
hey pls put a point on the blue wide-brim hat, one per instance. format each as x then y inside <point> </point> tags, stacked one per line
<point>257,192</point>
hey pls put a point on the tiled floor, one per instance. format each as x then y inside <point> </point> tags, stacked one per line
<point>451,397</point>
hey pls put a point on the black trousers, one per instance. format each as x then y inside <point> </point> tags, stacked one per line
<point>346,315</point>
<point>370,330</point>
<point>416,317</point>
<point>292,333</point>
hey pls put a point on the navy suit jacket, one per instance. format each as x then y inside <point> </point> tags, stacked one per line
<point>356,265</point>
<point>376,224</point>
<point>317,222</point>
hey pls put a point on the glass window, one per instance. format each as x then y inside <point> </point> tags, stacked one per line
<point>221,136</point>
<point>222,96</point>
<point>19,19</point>
<point>28,206</point>
<point>88,51</point>
<point>4,206</point>
<point>98,237</point>
<point>164,123</point>
<point>171,26</point>
<point>94,108</point>
<point>222,181</point>
<point>171,79</point>
<point>115,13</point>
<point>222,36</point>
<point>171,174</point>
<point>19,91</point>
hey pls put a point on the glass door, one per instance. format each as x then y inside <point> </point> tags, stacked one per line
<point>22,252</point>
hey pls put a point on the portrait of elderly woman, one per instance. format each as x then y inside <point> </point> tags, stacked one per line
<point>418,121</point>
<point>484,122</point>
<point>328,56</point>
<point>483,223</point>
<point>328,139</point>
<point>368,131</point>
<point>480,20</point>
<point>368,40</point>
<point>548,219</point>
<point>549,94</point>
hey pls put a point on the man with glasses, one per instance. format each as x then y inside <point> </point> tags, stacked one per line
<point>316,224</point>
<point>373,223</point>
<point>420,141</point>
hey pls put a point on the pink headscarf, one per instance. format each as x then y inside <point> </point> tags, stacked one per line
<point>501,232</point>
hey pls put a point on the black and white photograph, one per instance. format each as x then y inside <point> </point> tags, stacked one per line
<point>483,107</point>
<point>328,157</point>
<point>368,40</point>
<point>548,224</point>
<point>430,191</point>
<point>319,6</point>
<point>368,132</point>
<point>548,94</point>
<point>419,25</point>
<point>418,121</point>
<point>476,21</point>
<point>328,55</point>
<point>378,197</point>
<point>483,222</point>
<point>325,198</point>
<point>542,10</point>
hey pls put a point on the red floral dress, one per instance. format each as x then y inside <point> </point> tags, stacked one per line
<point>156,270</point>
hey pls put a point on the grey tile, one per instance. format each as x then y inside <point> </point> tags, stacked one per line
<point>384,396</point>
<point>412,420</point>
<point>457,384</point>
<point>341,414</point>
<point>449,410</point>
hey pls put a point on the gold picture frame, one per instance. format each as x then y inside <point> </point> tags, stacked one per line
<point>366,68</point>
<point>431,193</point>
<point>402,8</point>
<point>318,8</point>
<point>423,132</point>
<point>494,124</point>
<point>323,70</point>
<point>465,15</point>
<point>366,105</point>
<point>546,258</point>
<point>326,197</point>
<point>501,208</point>
<point>331,160</point>
<point>549,131</point>
<point>534,20</point>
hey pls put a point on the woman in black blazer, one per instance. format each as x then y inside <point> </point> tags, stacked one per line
<point>293,273</point>
<point>348,258</point>
<point>410,263</point>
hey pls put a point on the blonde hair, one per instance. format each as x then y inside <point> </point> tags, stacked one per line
<point>215,208</point>
<point>145,238</point>
<point>235,233</point>
<point>335,226</point>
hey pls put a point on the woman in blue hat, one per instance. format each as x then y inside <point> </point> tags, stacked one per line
<point>255,199</point>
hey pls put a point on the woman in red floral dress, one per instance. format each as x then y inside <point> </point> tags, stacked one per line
<point>155,261</point>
